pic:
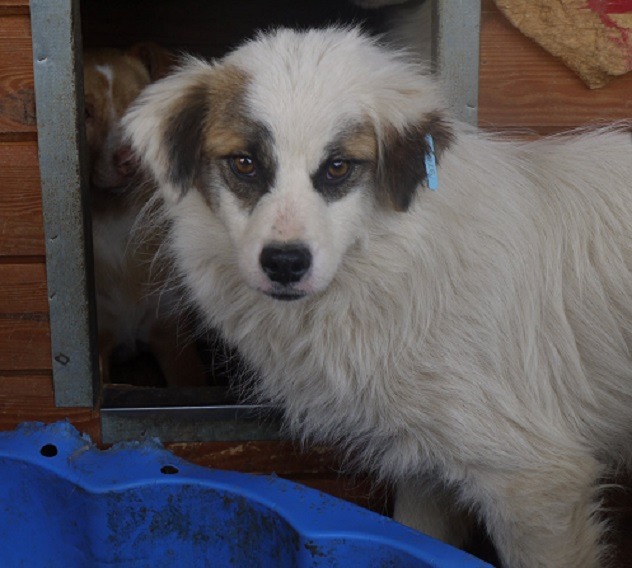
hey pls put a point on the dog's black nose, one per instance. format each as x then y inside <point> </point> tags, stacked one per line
<point>285,264</point>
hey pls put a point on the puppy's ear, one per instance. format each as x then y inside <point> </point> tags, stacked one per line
<point>157,60</point>
<point>402,159</point>
<point>165,126</point>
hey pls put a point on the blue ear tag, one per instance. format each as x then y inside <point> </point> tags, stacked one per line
<point>432,180</point>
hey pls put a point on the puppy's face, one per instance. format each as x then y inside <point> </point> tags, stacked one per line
<point>292,189</point>
<point>113,78</point>
<point>293,141</point>
<point>291,214</point>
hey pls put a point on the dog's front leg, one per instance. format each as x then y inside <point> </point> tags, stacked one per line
<point>544,515</point>
<point>431,509</point>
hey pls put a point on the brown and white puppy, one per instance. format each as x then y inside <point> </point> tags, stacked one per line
<point>129,310</point>
<point>472,344</point>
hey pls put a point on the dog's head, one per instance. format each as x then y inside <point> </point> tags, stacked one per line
<point>292,140</point>
<point>113,78</point>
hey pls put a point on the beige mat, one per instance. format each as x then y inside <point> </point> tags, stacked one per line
<point>592,37</point>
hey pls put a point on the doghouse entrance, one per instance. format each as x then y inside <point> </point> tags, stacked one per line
<point>61,29</point>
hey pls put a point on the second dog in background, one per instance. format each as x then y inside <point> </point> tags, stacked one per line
<point>132,315</point>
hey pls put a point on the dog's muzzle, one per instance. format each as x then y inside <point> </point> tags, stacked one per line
<point>285,265</point>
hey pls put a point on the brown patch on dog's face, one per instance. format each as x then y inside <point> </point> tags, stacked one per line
<point>401,166</point>
<point>227,127</point>
<point>210,129</point>
<point>348,158</point>
<point>255,152</point>
<point>233,136</point>
<point>358,142</point>
<point>183,135</point>
<point>191,126</point>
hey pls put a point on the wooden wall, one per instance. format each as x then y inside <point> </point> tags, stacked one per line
<point>26,389</point>
<point>521,87</point>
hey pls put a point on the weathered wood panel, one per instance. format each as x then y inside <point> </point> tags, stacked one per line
<point>17,96</point>
<point>23,290</point>
<point>21,224</point>
<point>24,327</point>
<point>10,7</point>
<point>29,397</point>
<point>26,388</point>
<point>284,458</point>
<point>523,86</point>
<point>24,342</point>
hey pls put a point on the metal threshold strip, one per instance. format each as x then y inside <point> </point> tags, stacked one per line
<point>175,415</point>
<point>190,423</point>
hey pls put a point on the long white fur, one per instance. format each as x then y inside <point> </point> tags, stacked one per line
<point>474,349</point>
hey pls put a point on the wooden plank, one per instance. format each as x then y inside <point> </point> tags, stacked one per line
<point>283,458</point>
<point>24,343</point>
<point>21,223</point>
<point>23,289</point>
<point>14,7</point>
<point>24,327</point>
<point>25,398</point>
<point>17,94</point>
<point>523,86</point>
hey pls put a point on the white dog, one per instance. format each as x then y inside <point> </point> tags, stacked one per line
<point>471,343</point>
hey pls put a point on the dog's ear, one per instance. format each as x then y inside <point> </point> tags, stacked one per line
<point>165,126</point>
<point>157,60</point>
<point>402,157</point>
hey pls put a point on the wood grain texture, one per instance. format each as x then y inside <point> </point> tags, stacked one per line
<point>21,223</point>
<point>11,7</point>
<point>521,86</point>
<point>24,342</point>
<point>24,326</point>
<point>282,458</point>
<point>17,94</point>
<point>25,398</point>
<point>23,290</point>
<point>14,8</point>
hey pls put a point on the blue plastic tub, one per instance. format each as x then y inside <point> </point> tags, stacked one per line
<point>64,503</point>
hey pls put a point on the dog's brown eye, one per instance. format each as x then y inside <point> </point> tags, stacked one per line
<point>337,170</point>
<point>243,166</point>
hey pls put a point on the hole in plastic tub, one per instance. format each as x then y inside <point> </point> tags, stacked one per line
<point>49,451</point>
<point>169,469</point>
